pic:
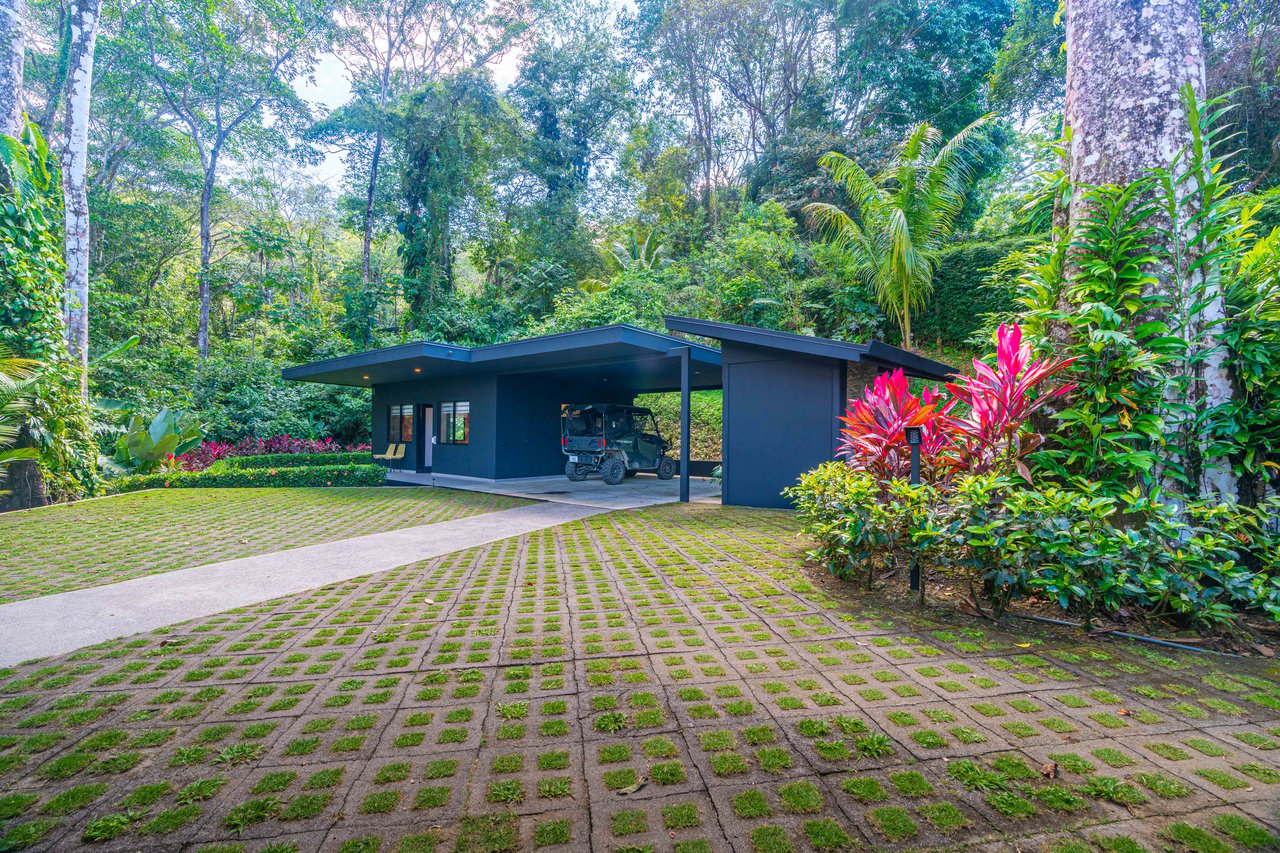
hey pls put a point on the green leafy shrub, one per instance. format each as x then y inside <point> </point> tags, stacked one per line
<point>304,477</point>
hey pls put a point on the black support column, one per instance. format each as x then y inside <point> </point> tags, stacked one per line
<point>685,383</point>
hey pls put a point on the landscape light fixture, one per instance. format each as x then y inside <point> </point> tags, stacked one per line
<point>915,437</point>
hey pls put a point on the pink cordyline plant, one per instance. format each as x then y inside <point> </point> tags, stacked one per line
<point>872,438</point>
<point>1001,400</point>
<point>211,451</point>
<point>991,437</point>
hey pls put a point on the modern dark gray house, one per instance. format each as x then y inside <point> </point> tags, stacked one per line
<point>493,412</point>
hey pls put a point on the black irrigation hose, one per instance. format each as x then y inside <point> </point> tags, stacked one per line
<point>1138,637</point>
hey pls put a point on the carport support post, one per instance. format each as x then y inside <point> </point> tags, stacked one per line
<point>685,380</point>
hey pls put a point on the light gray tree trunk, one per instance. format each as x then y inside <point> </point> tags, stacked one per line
<point>1127,62</point>
<point>83,34</point>
<point>13,15</point>
<point>206,256</point>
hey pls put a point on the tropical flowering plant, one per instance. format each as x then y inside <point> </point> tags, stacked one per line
<point>992,437</point>
<point>211,451</point>
<point>872,439</point>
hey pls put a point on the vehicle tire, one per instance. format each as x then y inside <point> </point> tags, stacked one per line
<point>614,470</point>
<point>575,471</point>
<point>666,468</point>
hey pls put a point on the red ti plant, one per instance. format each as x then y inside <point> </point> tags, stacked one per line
<point>1000,400</point>
<point>872,439</point>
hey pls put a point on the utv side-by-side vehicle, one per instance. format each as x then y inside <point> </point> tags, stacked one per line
<point>613,440</point>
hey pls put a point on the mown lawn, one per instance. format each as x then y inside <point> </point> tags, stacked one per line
<point>667,679</point>
<point>72,546</point>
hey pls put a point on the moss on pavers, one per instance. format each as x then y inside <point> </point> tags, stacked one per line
<point>667,677</point>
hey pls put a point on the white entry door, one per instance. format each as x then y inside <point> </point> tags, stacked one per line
<point>426,434</point>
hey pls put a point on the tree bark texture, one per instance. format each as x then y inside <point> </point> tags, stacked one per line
<point>83,34</point>
<point>206,255</point>
<point>1127,62</point>
<point>13,15</point>
<point>24,485</point>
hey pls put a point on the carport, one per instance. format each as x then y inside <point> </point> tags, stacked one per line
<point>491,414</point>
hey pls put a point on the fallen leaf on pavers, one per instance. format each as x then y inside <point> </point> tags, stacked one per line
<point>1265,651</point>
<point>631,789</point>
<point>1124,712</point>
<point>428,601</point>
<point>1050,770</point>
<point>1023,645</point>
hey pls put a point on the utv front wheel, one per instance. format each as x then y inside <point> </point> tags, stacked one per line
<point>614,470</point>
<point>666,468</point>
<point>575,472</point>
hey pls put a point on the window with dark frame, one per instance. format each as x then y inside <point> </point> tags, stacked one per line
<point>399,424</point>
<point>455,422</point>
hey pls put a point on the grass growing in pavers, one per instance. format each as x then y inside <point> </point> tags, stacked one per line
<point>620,682</point>
<point>90,543</point>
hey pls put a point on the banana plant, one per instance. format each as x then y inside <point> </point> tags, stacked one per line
<point>145,447</point>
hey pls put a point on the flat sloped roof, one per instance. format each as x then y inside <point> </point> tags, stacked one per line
<point>873,352</point>
<point>637,358</point>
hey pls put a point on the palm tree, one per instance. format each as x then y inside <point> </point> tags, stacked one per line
<point>17,387</point>
<point>903,215</point>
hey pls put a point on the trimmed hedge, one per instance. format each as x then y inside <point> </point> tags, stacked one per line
<point>959,299</point>
<point>313,476</point>
<point>292,460</point>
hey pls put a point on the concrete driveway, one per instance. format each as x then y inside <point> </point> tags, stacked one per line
<point>638,491</point>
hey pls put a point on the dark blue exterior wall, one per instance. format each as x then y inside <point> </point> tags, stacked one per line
<point>528,427</point>
<point>780,420</point>
<point>515,422</point>
<point>474,459</point>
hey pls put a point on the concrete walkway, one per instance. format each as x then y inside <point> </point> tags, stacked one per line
<point>55,624</point>
<point>632,493</point>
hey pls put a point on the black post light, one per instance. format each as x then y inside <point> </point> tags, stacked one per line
<point>914,436</point>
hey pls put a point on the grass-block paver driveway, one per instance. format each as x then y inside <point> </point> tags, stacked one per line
<point>89,543</point>
<point>667,679</point>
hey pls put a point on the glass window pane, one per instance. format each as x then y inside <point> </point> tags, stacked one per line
<point>406,423</point>
<point>462,422</point>
<point>393,423</point>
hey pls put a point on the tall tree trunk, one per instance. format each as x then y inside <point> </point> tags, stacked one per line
<point>366,257</point>
<point>13,15</point>
<point>1127,63</point>
<point>206,254</point>
<point>83,33</point>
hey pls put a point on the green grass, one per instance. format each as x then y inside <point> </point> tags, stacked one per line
<point>485,647</point>
<point>628,822</point>
<point>1245,832</point>
<point>770,839</point>
<point>681,816</point>
<point>865,789</point>
<point>1195,839</point>
<point>827,835</point>
<point>800,798</point>
<point>944,817</point>
<point>751,804</point>
<point>551,832</point>
<point>55,557</point>
<point>893,822</point>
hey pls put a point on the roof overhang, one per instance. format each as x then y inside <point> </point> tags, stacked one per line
<point>873,352</point>
<point>633,359</point>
